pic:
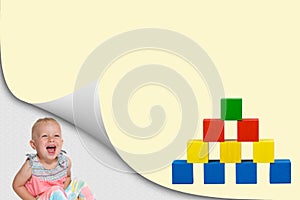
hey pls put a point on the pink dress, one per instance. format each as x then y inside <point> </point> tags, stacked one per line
<point>44,181</point>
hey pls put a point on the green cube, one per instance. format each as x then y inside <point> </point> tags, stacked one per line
<point>231,109</point>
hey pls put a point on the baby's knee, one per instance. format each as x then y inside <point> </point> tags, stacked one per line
<point>58,195</point>
<point>54,193</point>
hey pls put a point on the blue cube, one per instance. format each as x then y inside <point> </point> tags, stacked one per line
<point>214,172</point>
<point>182,172</point>
<point>280,171</point>
<point>246,172</point>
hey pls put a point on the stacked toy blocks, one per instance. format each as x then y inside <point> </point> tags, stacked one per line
<point>231,151</point>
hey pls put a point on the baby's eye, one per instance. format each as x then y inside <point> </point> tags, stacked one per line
<point>43,136</point>
<point>57,136</point>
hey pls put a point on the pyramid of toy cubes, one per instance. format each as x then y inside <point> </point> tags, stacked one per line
<point>230,151</point>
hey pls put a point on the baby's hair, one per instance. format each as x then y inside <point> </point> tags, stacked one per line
<point>42,120</point>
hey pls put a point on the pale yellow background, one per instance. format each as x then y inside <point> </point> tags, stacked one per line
<point>254,45</point>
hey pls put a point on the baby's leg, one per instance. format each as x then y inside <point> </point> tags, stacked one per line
<point>58,195</point>
<point>54,193</point>
<point>78,190</point>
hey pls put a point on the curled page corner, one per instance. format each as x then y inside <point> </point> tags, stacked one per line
<point>82,109</point>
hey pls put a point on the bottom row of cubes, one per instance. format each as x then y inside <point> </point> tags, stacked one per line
<point>246,172</point>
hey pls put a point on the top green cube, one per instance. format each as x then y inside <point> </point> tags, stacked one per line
<point>231,109</point>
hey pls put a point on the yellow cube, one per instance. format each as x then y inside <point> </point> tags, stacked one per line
<point>197,151</point>
<point>263,151</point>
<point>230,151</point>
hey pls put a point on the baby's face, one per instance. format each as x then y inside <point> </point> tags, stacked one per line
<point>47,140</point>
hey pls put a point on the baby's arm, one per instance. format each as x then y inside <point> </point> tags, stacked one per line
<point>20,179</point>
<point>68,180</point>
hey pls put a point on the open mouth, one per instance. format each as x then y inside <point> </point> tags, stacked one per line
<point>51,149</point>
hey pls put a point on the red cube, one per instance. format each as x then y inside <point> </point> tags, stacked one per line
<point>247,130</point>
<point>213,130</point>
